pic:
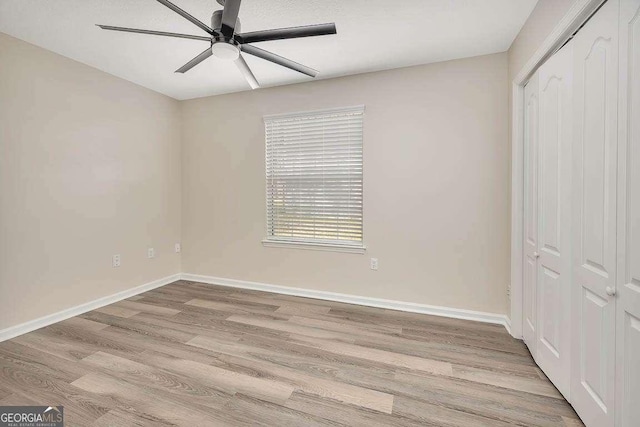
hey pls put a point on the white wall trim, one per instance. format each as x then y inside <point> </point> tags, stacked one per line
<point>314,246</point>
<point>352,109</point>
<point>32,325</point>
<point>455,313</point>
<point>433,310</point>
<point>517,208</point>
<point>579,12</point>
<point>507,324</point>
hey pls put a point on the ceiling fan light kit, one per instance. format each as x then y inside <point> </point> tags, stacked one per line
<point>226,51</point>
<point>228,42</point>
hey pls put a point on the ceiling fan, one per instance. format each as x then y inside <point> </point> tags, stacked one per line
<point>227,41</point>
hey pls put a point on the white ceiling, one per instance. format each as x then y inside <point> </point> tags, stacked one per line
<point>372,35</point>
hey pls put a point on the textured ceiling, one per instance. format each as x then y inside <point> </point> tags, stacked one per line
<point>372,35</point>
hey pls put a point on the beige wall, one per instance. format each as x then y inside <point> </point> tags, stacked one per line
<point>89,167</point>
<point>436,211</point>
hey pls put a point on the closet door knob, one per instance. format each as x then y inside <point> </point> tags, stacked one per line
<point>610,291</point>
<point>536,255</point>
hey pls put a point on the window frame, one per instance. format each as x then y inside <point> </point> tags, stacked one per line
<point>328,244</point>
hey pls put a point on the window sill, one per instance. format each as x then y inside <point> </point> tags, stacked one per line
<point>314,246</point>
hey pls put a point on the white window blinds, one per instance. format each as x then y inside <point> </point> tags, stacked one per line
<point>314,177</point>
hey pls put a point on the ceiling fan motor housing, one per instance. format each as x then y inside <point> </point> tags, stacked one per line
<point>223,47</point>
<point>216,22</point>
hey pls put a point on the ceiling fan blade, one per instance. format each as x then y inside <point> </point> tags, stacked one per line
<point>186,15</point>
<point>287,33</point>
<point>277,59</point>
<point>246,72</point>
<point>230,17</point>
<point>195,61</point>
<point>154,33</point>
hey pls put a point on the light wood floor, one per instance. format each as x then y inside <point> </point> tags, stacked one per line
<point>194,354</point>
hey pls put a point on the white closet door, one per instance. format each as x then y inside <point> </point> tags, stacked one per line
<point>594,213</point>
<point>530,263</point>
<point>554,219</point>
<point>628,280</point>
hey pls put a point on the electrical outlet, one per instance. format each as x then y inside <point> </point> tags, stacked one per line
<point>151,253</point>
<point>115,260</point>
<point>178,248</point>
<point>374,263</point>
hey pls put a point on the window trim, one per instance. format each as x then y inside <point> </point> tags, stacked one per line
<point>317,246</point>
<point>351,109</point>
<point>328,245</point>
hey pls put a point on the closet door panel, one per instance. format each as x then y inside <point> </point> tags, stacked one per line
<point>597,167</point>
<point>594,214</point>
<point>630,384</point>
<point>530,214</point>
<point>529,303</point>
<point>554,189</point>
<point>628,280</point>
<point>551,315</point>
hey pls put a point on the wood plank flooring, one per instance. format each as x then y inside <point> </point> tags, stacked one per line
<point>199,355</point>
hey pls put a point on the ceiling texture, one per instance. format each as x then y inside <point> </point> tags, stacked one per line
<point>372,35</point>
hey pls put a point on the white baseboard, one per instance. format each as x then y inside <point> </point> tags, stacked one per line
<point>507,324</point>
<point>32,325</point>
<point>434,310</point>
<point>456,313</point>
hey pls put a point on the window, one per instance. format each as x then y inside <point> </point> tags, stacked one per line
<point>314,178</point>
